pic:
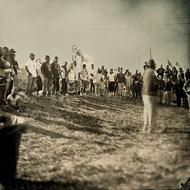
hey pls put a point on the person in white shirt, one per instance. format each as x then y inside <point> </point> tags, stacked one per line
<point>71,80</point>
<point>98,78</point>
<point>84,78</point>
<point>112,84</point>
<point>32,74</point>
<point>92,74</point>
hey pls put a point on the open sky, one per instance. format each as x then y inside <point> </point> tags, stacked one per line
<point>114,32</point>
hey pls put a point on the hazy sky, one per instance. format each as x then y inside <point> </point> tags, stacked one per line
<point>113,32</point>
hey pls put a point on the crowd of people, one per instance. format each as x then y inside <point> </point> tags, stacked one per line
<point>49,78</point>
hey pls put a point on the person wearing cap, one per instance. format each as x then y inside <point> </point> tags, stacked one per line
<point>149,96</point>
<point>47,74</point>
<point>32,74</point>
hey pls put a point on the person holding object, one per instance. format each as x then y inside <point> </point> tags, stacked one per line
<point>149,96</point>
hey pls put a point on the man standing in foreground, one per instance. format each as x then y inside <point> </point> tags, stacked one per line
<point>149,91</point>
<point>32,74</point>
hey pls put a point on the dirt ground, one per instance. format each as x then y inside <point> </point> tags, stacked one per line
<point>90,143</point>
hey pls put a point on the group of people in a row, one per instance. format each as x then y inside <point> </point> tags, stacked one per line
<point>50,78</point>
<point>173,85</point>
<point>53,79</point>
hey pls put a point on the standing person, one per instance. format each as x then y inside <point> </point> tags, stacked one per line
<point>160,71</point>
<point>149,95</point>
<point>168,90</point>
<point>187,74</point>
<point>129,83</point>
<point>178,90</point>
<point>55,68</point>
<point>174,74</point>
<point>187,91</point>
<point>9,73</point>
<point>32,74</point>
<point>111,83</point>
<point>92,77</point>
<point>64,77</point>
<point>71,80</point>
<point>161,87</point>
<point>39,76</point>
<point>47,74</point>
<point>15,67</point>
<point>77,79</point>
<point>146,66</point>
<point>120,80</point>
<point>84,78</point>
<point>98,78</point>
<point>136,84</point>
<point>181,74</point>
<point>3,79</point>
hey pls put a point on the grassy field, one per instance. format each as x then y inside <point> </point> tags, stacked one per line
<point>95,143</point>
<point>91,143</point>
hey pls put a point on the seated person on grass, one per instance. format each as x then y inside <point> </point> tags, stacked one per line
<point>14,101</point>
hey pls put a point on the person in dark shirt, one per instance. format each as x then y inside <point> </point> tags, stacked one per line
<point>168,71</point>
<point>160,71</point>
<point>174,74</point>
<point>47,73</point>
<point>187,91</point>
<point>56,74</point>
<point>136,85</point>
<point>64,77</point>
<point>146,66</point>
<point>120,80</point>
<point>3,78</point>
<point>187,74</point>
<point>15,67</point>
<point>181,74</point>
<point>161,87</point>
<point>178,90</point>
<point>168,91</point>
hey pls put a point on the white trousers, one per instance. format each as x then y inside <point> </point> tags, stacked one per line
<point>149,110</point>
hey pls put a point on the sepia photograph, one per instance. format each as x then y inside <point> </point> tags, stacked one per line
<point>94,94</point>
